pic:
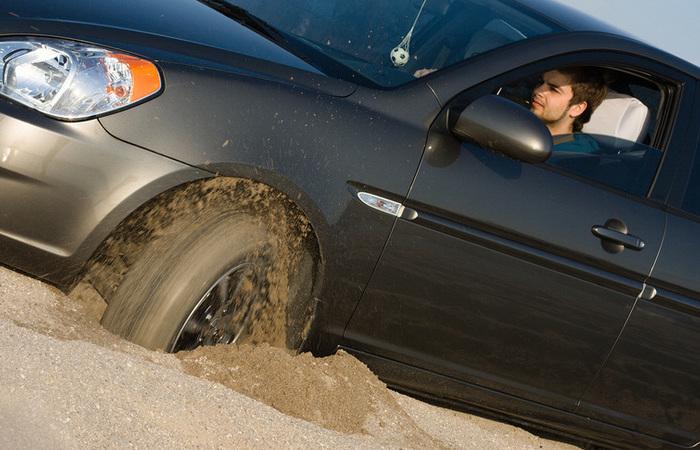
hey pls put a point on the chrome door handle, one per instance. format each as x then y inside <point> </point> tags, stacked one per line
<point>615,238</point>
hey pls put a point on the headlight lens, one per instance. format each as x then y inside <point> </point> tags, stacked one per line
<point>70,80</point>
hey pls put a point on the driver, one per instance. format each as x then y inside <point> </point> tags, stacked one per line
<point>564,100</point>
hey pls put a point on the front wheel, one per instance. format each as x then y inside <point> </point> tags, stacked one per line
<point>217,277</point>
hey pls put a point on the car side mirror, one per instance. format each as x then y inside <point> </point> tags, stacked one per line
<point>501,126</point>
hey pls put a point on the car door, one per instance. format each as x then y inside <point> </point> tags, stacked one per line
<point>651,381</point>
<point>496,276</point>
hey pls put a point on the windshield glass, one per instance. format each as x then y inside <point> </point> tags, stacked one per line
<point>384,43</point>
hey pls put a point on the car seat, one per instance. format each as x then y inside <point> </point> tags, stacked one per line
<point>621,116</point>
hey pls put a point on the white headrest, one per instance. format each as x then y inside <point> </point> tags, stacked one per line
<point>621,116</point>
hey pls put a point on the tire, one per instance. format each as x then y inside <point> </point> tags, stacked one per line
<point>215,278</point>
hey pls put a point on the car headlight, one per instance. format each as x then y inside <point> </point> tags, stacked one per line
<point>71,80</point>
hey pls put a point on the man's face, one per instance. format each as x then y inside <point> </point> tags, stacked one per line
<point>551,98</point>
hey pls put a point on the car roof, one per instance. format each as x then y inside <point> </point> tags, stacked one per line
<point>578,21</point>
<point>570,18</point>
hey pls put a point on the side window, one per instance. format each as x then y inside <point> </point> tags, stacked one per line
<point>616,147</point>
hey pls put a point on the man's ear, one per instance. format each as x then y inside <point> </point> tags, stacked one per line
<point>577,109</point>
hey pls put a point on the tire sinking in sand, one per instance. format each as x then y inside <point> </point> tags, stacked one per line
<point>215,277</point>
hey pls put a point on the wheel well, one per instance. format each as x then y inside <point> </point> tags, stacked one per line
<point>108,265</point>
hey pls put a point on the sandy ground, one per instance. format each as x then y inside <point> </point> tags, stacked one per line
<point>68,383</point>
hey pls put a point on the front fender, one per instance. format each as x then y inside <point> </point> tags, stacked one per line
<point>65,186</point>
<point>314,147</point>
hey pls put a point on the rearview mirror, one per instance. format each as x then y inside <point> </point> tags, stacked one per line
<point>501,126</point>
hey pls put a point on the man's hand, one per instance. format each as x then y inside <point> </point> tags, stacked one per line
<point>423,72</point>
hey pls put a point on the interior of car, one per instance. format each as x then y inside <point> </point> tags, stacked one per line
<point>624,127</point>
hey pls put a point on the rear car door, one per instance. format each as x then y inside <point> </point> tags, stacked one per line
<point>651,382</point>
<point>495,278</point>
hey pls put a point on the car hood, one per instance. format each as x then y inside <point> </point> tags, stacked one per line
<point>175,26</point>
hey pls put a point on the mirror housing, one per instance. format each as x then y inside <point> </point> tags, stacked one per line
<point>503,127</point>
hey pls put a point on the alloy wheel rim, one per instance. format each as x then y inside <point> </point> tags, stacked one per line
<point>223,313</point>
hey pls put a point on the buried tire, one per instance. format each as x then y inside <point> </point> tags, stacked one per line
<point>215,278</point>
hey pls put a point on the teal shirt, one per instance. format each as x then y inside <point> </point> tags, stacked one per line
<point>577,142</point>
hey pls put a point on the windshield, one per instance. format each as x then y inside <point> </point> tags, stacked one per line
<point>384,43</point>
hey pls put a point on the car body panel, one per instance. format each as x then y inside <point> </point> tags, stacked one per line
<point>491,403</point>
<point>656,359</point>
<point>652,363</point>
<point>487,286</point>
<point>346,144</point>
<point>475,281</point>
<point>66,186</point>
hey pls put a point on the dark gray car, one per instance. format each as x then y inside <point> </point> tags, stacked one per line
<point>290,172</point>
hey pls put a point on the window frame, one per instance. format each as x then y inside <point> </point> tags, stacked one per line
<point>672,119</point>
<point>689,158</point>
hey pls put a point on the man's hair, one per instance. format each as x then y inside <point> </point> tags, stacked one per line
<point>588,85</point>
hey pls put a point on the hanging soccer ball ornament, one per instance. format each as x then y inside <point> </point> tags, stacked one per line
<point>399,56</point>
